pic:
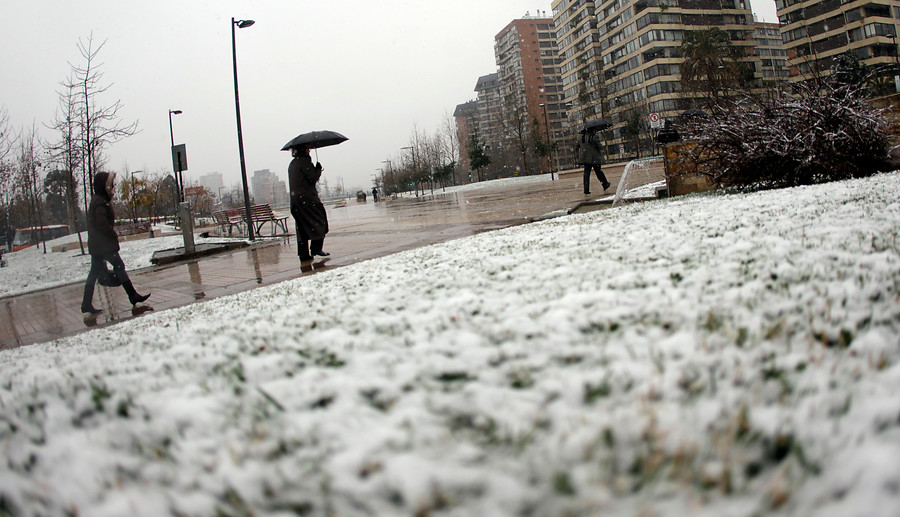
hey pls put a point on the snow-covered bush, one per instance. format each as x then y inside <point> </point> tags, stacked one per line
<point>815,134</point>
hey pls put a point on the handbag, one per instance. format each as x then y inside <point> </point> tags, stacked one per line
<point>108,279</point>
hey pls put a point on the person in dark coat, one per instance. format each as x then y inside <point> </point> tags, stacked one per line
<point>590,154</point>
<point>375,194</point>
<point>308,211</point>
<point>103,244</point>
<point>667,134</point>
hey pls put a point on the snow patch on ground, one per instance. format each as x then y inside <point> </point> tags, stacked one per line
<point>703,355</point>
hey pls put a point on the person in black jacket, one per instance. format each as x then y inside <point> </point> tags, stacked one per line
<point>310,218</point>
<point>103,243</point>
<point>589,153</point>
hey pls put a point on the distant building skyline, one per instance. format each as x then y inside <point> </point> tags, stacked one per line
<point>268,188</point>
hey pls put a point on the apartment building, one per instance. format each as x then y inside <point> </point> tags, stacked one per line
<point>815,31</point>
<point>580,68</point>
<point>466,116</point>
<point>213,183</point>
<point>629,65</point>
<point>772,65</point>
<point>488,126</point>
<point>268,188</point>
<point>530,88</point>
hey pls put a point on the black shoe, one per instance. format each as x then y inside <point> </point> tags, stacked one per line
<point>89,309</point>
<point>138,298</point>
<point>587,192</point>
<point>606,185</point>
<point>321,253</point>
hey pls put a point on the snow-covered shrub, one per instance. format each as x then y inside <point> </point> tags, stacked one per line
<point>815,134</point>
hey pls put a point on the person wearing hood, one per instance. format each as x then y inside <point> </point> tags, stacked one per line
<point>103,243</point>
<point>590,154</point>
<point>310,218</point>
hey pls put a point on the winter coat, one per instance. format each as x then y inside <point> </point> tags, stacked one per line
<point>102,238</point>
<point>307,209</point>
<point>590,150</point>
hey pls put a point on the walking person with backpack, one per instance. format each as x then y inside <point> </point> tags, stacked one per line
<point>103,245</point>
<point>590,154</point>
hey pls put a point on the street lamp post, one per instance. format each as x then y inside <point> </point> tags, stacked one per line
<point>241,24</point>
<point>133,209</point>
<point>179,185</point>
<point>390,173</point>
<point>415,168</point>
<point>549,143</point>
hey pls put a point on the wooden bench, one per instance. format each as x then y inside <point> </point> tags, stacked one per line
<point>131,228</point>
<point>228,219</point>
<point>262,214</point>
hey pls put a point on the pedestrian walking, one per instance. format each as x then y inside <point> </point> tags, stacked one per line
<point>103,245</point>
<point>590,155</point>
<point>310,219</point>
<point>375,194</point>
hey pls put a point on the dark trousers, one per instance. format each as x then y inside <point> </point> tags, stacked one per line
<point>587,176</point>
<point>306,246</point>
<point>98,267</point>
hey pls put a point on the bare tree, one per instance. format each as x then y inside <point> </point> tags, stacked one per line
<point>98,125</point>
<point>65,151</point>
<point>7,141</point>
<point>29,175</point>
<point>450,142</point>
<point>517,128</point>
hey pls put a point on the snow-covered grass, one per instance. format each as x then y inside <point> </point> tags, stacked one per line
<point>713,355</point>
<point>31,269</point>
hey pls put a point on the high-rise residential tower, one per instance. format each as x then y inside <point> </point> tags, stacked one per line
<point>622,60</point>
<point>531,92</point>
<point>815,31</point>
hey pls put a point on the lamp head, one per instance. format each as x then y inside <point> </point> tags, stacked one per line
<point>175,112</point>
<point>243,24</point>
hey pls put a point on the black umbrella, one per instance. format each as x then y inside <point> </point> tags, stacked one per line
<point>315,140</point>
<point>595,125</point>
<point>694,113</point>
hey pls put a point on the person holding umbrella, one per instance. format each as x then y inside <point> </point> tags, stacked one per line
<point>589,152</point>
<point>310,218</point>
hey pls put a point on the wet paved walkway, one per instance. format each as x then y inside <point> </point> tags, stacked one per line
<point>359,231</point>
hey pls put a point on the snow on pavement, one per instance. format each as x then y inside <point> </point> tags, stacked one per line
<point>715,355</point>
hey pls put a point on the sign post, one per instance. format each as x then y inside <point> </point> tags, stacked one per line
<point>655,121</point>
<point>179,165</point>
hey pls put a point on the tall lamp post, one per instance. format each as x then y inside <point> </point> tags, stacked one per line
<point>390,174</point>
<point>179,185</point>
<point>549,143</point>
<point>133,209</point>
<point>241,24</point>
<point>415,168</point>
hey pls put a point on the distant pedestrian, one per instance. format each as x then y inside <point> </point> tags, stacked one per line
<point>667,134</point>
<point>375,194</point>
<point>310,219</point>
<point>8,236</point>
<point>590,155</point>
<point>103,245</point>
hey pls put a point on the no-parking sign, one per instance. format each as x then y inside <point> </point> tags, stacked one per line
<point>655,121</point>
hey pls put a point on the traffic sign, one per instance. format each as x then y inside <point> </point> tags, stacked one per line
<point>655,121</point>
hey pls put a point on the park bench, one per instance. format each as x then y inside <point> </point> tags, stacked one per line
<point>262,214</point>
<point>124,229</point>
<point>228,219</point>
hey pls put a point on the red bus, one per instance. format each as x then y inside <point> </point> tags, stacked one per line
<point>26,237</point>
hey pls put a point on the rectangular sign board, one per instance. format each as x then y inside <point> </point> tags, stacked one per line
<point>193,191</point>
<point>179,158</point>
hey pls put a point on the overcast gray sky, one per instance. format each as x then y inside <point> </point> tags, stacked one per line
<point>370,70</point>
